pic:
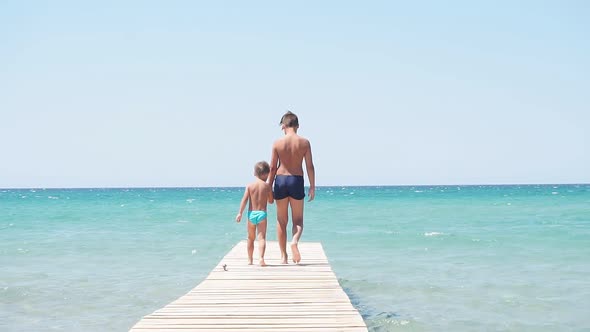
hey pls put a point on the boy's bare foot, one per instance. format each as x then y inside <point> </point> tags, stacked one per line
<point>249,261</point>
<point>296,253</point>
<point>285,259</point>
<point>261,262</point>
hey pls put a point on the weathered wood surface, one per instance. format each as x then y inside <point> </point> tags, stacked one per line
<point>304,297</point>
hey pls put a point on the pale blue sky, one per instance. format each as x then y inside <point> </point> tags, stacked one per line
<point>189,93</point>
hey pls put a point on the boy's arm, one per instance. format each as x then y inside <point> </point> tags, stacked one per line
<point>242,205</point>
<point>274,166</point>
<point>310,172</point>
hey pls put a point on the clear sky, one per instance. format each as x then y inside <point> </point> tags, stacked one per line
<point>190,93</point>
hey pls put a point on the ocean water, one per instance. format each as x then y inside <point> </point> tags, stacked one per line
<point>427,258</point>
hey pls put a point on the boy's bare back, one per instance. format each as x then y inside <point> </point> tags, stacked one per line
<point>259,195</point>
<point>291,150</point>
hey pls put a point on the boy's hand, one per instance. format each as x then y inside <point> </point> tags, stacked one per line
<point>311,194</point>
<point>239,217</point>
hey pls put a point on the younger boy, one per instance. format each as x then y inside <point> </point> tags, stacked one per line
<point>257,193</point>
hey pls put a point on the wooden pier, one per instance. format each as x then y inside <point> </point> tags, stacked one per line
<point>242,297</point>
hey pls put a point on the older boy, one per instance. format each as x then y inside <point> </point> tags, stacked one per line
<point>286,173</point>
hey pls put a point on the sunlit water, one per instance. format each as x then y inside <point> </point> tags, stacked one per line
<point>441,258</point>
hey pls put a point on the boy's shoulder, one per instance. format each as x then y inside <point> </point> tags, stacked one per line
<point>301,138</point>
<point>295,137</point>
<point>258,184</point>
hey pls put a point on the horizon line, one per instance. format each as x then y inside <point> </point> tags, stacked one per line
<point>323,186</point>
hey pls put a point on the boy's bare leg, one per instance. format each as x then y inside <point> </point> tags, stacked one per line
<point>251,238</point>
<point>282,220</point>
<point>261,228</point>
<point>297,219</point>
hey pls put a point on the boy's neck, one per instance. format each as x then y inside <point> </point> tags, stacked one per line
<point>290,130</point>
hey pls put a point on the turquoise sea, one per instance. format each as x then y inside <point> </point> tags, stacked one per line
<point>423,258</point>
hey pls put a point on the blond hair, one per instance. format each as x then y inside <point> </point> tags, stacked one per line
<point>261,168</point>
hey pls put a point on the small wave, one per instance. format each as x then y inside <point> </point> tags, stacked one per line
<point>182,221</point>
<point>52,197</point>
<point>385,321</point>
<point>190,200</point>
<point>554,193</point>
<point>433,234</point>
<point>418,191</point>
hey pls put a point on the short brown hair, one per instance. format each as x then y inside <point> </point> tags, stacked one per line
<point>261,168</point>
<point>290,120</point>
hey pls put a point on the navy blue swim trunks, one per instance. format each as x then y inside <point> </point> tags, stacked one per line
<point>289,186</point>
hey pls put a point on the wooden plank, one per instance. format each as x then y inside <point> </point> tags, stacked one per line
<point>251,328</point>
<point>223,327</point>
<point>348,320</point>
<point>236,296</point>
<point>253,313</point>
